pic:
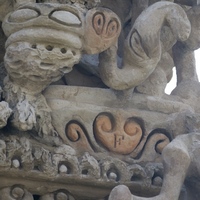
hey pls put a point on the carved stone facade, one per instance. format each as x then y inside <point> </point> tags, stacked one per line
<point>83,112</point>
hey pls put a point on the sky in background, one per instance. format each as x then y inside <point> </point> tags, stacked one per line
<point>172,84</point>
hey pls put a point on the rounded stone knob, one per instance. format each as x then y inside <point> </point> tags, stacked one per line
<point>112,176</point>
<point>120,192</point>
<point>61,196</point>
<point>17,193</point>
<point>63,169</point>
<point>157,181</point>
<point>16,163</point>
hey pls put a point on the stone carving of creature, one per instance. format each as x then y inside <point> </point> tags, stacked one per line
<point>172,54</point>
<point>180,158</point>
<point>184,58</point>
<point>44,42</point>
<point>181,55</point>
<point>143,51</point>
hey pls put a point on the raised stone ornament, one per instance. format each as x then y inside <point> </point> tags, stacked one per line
<point>83,112</point>
<point>39,54</point>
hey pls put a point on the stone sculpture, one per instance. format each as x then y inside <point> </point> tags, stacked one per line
<point>178,156</point>
<point>60,140</point>
<point>45,58</point>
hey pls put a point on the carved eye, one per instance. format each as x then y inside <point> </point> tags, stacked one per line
<point>112,28</point>
<point>104,25</point>
<point>23,15</point>
<point>65,17</point>
<point>98,23</point>
<point>132,127</point>
<point>136,45</point>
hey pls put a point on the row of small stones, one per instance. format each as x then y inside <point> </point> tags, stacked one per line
<point>18,193</point>
<point>63,169</point>
<point>112,176</point>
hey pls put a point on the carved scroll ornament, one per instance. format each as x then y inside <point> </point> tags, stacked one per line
<point>118,136</point>
<point>45,40</point>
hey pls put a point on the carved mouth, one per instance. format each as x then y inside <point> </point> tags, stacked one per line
<point>40,61</point>
<point>46,64</point>
<point>46,35</point>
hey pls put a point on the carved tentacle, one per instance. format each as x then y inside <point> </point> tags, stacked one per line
<point>143,47</point>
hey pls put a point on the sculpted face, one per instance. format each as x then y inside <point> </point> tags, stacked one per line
<point>43,41</point>
<point>118,135</point>
<point>46,40</point>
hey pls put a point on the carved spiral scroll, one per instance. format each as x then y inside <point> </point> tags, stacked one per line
<point>116,135</point>
<point>78,137</point>
<point>132,128</point>
<point>156,141</point>
<point>73,131</point>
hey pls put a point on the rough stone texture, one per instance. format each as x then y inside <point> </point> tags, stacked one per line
<point>83,108</point>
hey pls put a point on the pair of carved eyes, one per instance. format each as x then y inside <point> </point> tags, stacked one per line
<point>60,16</point>
<point>106,123</point>
<point>103,27</point>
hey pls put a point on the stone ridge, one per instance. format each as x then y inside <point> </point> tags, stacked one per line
<point>87,3</point>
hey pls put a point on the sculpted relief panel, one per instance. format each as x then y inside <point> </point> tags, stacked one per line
<point>45,54</point>
<point>83,107</point>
